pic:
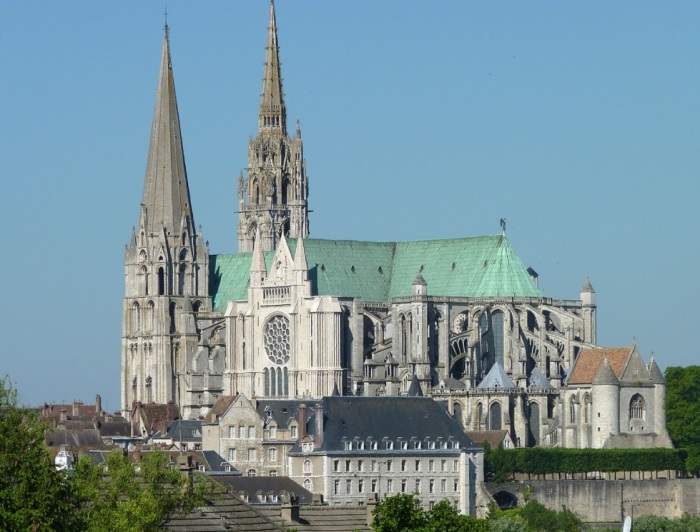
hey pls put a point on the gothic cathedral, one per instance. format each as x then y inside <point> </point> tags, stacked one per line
<point>290,316</point>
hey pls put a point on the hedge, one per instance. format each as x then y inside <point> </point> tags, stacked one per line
<point>541,461</point>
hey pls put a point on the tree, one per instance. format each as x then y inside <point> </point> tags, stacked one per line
<point>683,405</point>
<point>141,496</point>
<point>33,495</point>
<point>445,518</point>
<point>539,517</point>
<point>398,513</point>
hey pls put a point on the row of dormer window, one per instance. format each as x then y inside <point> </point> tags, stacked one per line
<point>361,445</point>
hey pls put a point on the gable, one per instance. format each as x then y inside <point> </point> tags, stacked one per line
<point>635,371</point>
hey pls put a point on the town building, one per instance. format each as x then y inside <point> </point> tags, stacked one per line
<point>350,446</point>
<point>289,317</point>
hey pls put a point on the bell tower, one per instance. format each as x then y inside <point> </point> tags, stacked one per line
<point>166,265</point>
<point>272,198</point>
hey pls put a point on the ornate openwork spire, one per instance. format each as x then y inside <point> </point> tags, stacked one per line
<point>166,195</point>
<point>272,115</point>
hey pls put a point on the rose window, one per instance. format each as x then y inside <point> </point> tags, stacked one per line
<point>277,339</point>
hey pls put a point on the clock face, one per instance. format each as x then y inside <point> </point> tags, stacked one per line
<point>277,340</point>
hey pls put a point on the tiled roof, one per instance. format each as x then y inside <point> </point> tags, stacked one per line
<point>221,405</point>
<point>493,437</point>
<point>589,361</point>
<point>484,266</point>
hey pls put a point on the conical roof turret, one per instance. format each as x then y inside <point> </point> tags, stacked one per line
<point>605,375</point>
<point>587,287</point>
<point>655,375</point>
<point>166,195</point>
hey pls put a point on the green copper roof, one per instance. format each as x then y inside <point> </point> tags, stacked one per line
<point>484,266</point>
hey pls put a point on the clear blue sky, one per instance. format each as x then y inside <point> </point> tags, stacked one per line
<point>579,122</point>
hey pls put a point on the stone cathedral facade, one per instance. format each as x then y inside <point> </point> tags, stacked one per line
<point>290,316</point>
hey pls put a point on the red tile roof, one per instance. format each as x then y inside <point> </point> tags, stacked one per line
<point>589,361</point>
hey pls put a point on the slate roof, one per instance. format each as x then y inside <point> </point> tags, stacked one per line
<point>538,380</point>
<point>227,513</point>
<point>589,361</point>
<point>252,485</point>
<point>655,375</point>
<point>496,378</point>
<point>280,410</point>
<point>376,418</point>
<point>483,266</point>
<point>73,438</point>
<point>216,463</point>
<point>605,374</point>
<point>185,430</point>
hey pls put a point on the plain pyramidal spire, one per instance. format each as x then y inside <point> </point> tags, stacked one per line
<point>272,114</point>
<point>166,195</point>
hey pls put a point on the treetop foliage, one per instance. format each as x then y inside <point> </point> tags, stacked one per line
<point>682,405</point>
<point>35,496</point>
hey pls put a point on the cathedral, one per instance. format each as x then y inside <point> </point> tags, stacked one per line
<point>289,316</point>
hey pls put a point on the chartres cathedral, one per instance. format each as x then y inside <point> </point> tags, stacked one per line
<point>291,316</point>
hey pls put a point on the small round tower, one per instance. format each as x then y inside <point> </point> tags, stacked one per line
<point>606,405</point>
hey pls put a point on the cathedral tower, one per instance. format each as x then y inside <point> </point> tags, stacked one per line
<point>272,199</point>
<point>166,265</point>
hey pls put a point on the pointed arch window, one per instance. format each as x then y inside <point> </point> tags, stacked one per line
<point>495,416</point>
<point>587,408</point>
<point>182,280</point>
<point>144,274</point>
<point>135,316</point>
<point>638,407</point>
<point>572,409</point>
<point>150,311</point>
<point>498,326</point>
<point>404,339</point>
<point>161,281</point>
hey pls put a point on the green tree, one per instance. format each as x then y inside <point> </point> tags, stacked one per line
<point>445,518</point>
<point>398,513</point>
<point>33,495</point>
<point>131,496</point>
<point>682,405</point>
<point>508,523</point>
<point>498,464</point>
<point>539,517</point>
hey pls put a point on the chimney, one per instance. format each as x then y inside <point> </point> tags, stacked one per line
<point>302,421</point>
<point>319,425</point>
<point>63,417</point>
<point>98,404</point>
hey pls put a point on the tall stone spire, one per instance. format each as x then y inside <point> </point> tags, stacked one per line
<point>272,114</point>
<point>166,195</point>
<point>273,197</point>
<point>166,269</point>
